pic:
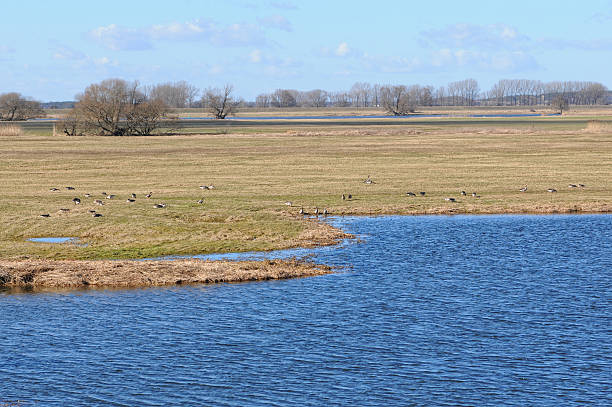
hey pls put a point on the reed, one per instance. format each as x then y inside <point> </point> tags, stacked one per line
<point>10,130</point>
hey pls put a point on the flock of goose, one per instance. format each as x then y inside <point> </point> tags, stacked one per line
<point>368,181</point>
<point>94,213</point>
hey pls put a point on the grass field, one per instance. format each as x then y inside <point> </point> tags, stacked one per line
<point>255,169</point>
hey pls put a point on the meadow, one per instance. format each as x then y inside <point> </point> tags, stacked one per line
<point>256,168</point>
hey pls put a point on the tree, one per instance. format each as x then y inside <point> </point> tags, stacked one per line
<point>114,107</point>
<point>396,100</point>
<point>174,94</point>
<point>13,106</point>
<point>560,103</point>
<point>220,102</point>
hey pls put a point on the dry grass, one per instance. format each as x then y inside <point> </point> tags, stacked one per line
<point>255,173</point>
<point>598,126</point>
<point>10,130</point>
<point>37,274</point>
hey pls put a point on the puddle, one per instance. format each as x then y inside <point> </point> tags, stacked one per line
<point>53,239</point>
<point>58,240</point>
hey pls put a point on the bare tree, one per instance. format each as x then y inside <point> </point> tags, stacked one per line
<point>263,100</point>
<point>284,98</point>
<point>396,100</point>
<point>560,103</point>
<point>220,102</point>
<point>174,94</point>
<point>316,98</point>
<point>13,106</point>
<point>114,107</point>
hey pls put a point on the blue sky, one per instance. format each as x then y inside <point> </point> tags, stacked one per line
<point>53,50</point>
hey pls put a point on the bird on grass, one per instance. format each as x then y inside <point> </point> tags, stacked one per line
<point>410,194</point>
<point>552,190</point>
<point>422,193</point>
<point>87,195</point>
<point>581,185</point>
<point>130,200</point>
<point>64,210</point>
<point>76,201</point>
<point>45,215</point>
<point>524,189</point>
<point>160,205</point>
<point>201,201</point>
<point>54,189</point>
<point>110,196</point>
<point>148,196</point>
<point>98,202</point>
<point>450,199</point>
<point>463,193</point>
<point>133,196</point>
<point>350,196</point>
<point>343,197</point>
<point>70,188</point>
<point>97,215</point>
<point>572,186</point>
<point>92,211</point>
<point>368,181</point>
<point>289,203</point>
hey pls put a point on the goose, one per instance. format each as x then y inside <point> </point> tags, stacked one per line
<point>524,189</point>
<point>572,186</point>
<point>110,196</point>
<point>289,203</point>
<point>325,213</point>
<point>343,197</point>
<point>98,202</point>
<point>316,212</point>
<point>133,196</point>
<point>45,215</point>
<point>474,194</point>
<point>160,205</point>
<point>54,189</point>
<point>97,215</point>
<point>350,196</point>
<point>211,186</point>
<point>148,196</point>
<point>464,194</point>
<point>450,199</point>
<point>368,181</point>
<point>76,201</point>
<point>70,188</point>
<point>302,212</point>
<point>203,186</point>
<point>130,200</point>
<point>551,190</point>
<point>87,195</point>
<point>422,193</point>
<point>201,201</point>
<point>410,194</point>
<point>64,210</point>
<point>92,211</point>
<point>581,185</point>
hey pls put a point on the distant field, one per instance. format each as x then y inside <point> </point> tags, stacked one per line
<point>256,168</point>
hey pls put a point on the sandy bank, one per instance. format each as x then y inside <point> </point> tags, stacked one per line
<point>106,273</point>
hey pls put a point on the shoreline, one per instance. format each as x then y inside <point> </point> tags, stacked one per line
<point>34,275</point>
<point>42,274</point>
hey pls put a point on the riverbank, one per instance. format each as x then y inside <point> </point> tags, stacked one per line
<point>48,274</point>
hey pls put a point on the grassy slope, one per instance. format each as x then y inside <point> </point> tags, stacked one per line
<point>256,171</point>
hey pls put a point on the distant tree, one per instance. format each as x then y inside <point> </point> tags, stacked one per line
<point>263,100</point>
<point>284,98</point>
<point>560,103</point>
<point>114,107</point>
<point>220,102</point>
<point>316,98</point>
<point>13,106</point>
<point>396,100</point>
<point>174,94</point>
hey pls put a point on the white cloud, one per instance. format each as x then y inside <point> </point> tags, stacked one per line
<point>284,5</point>
<point>342,49</point>
<point>116,37</point>
<point>276,21</point>
<point>255,56</point>
<point>69,54</point>
<point>492,36</point>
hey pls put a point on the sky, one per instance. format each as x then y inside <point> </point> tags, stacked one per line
<point>52,50</point>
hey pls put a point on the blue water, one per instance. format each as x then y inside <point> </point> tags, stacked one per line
<point>52,239</point>
<point>411,116</point>
<point>484,310</point>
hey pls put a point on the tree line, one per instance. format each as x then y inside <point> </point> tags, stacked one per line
<point>118,107</point>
